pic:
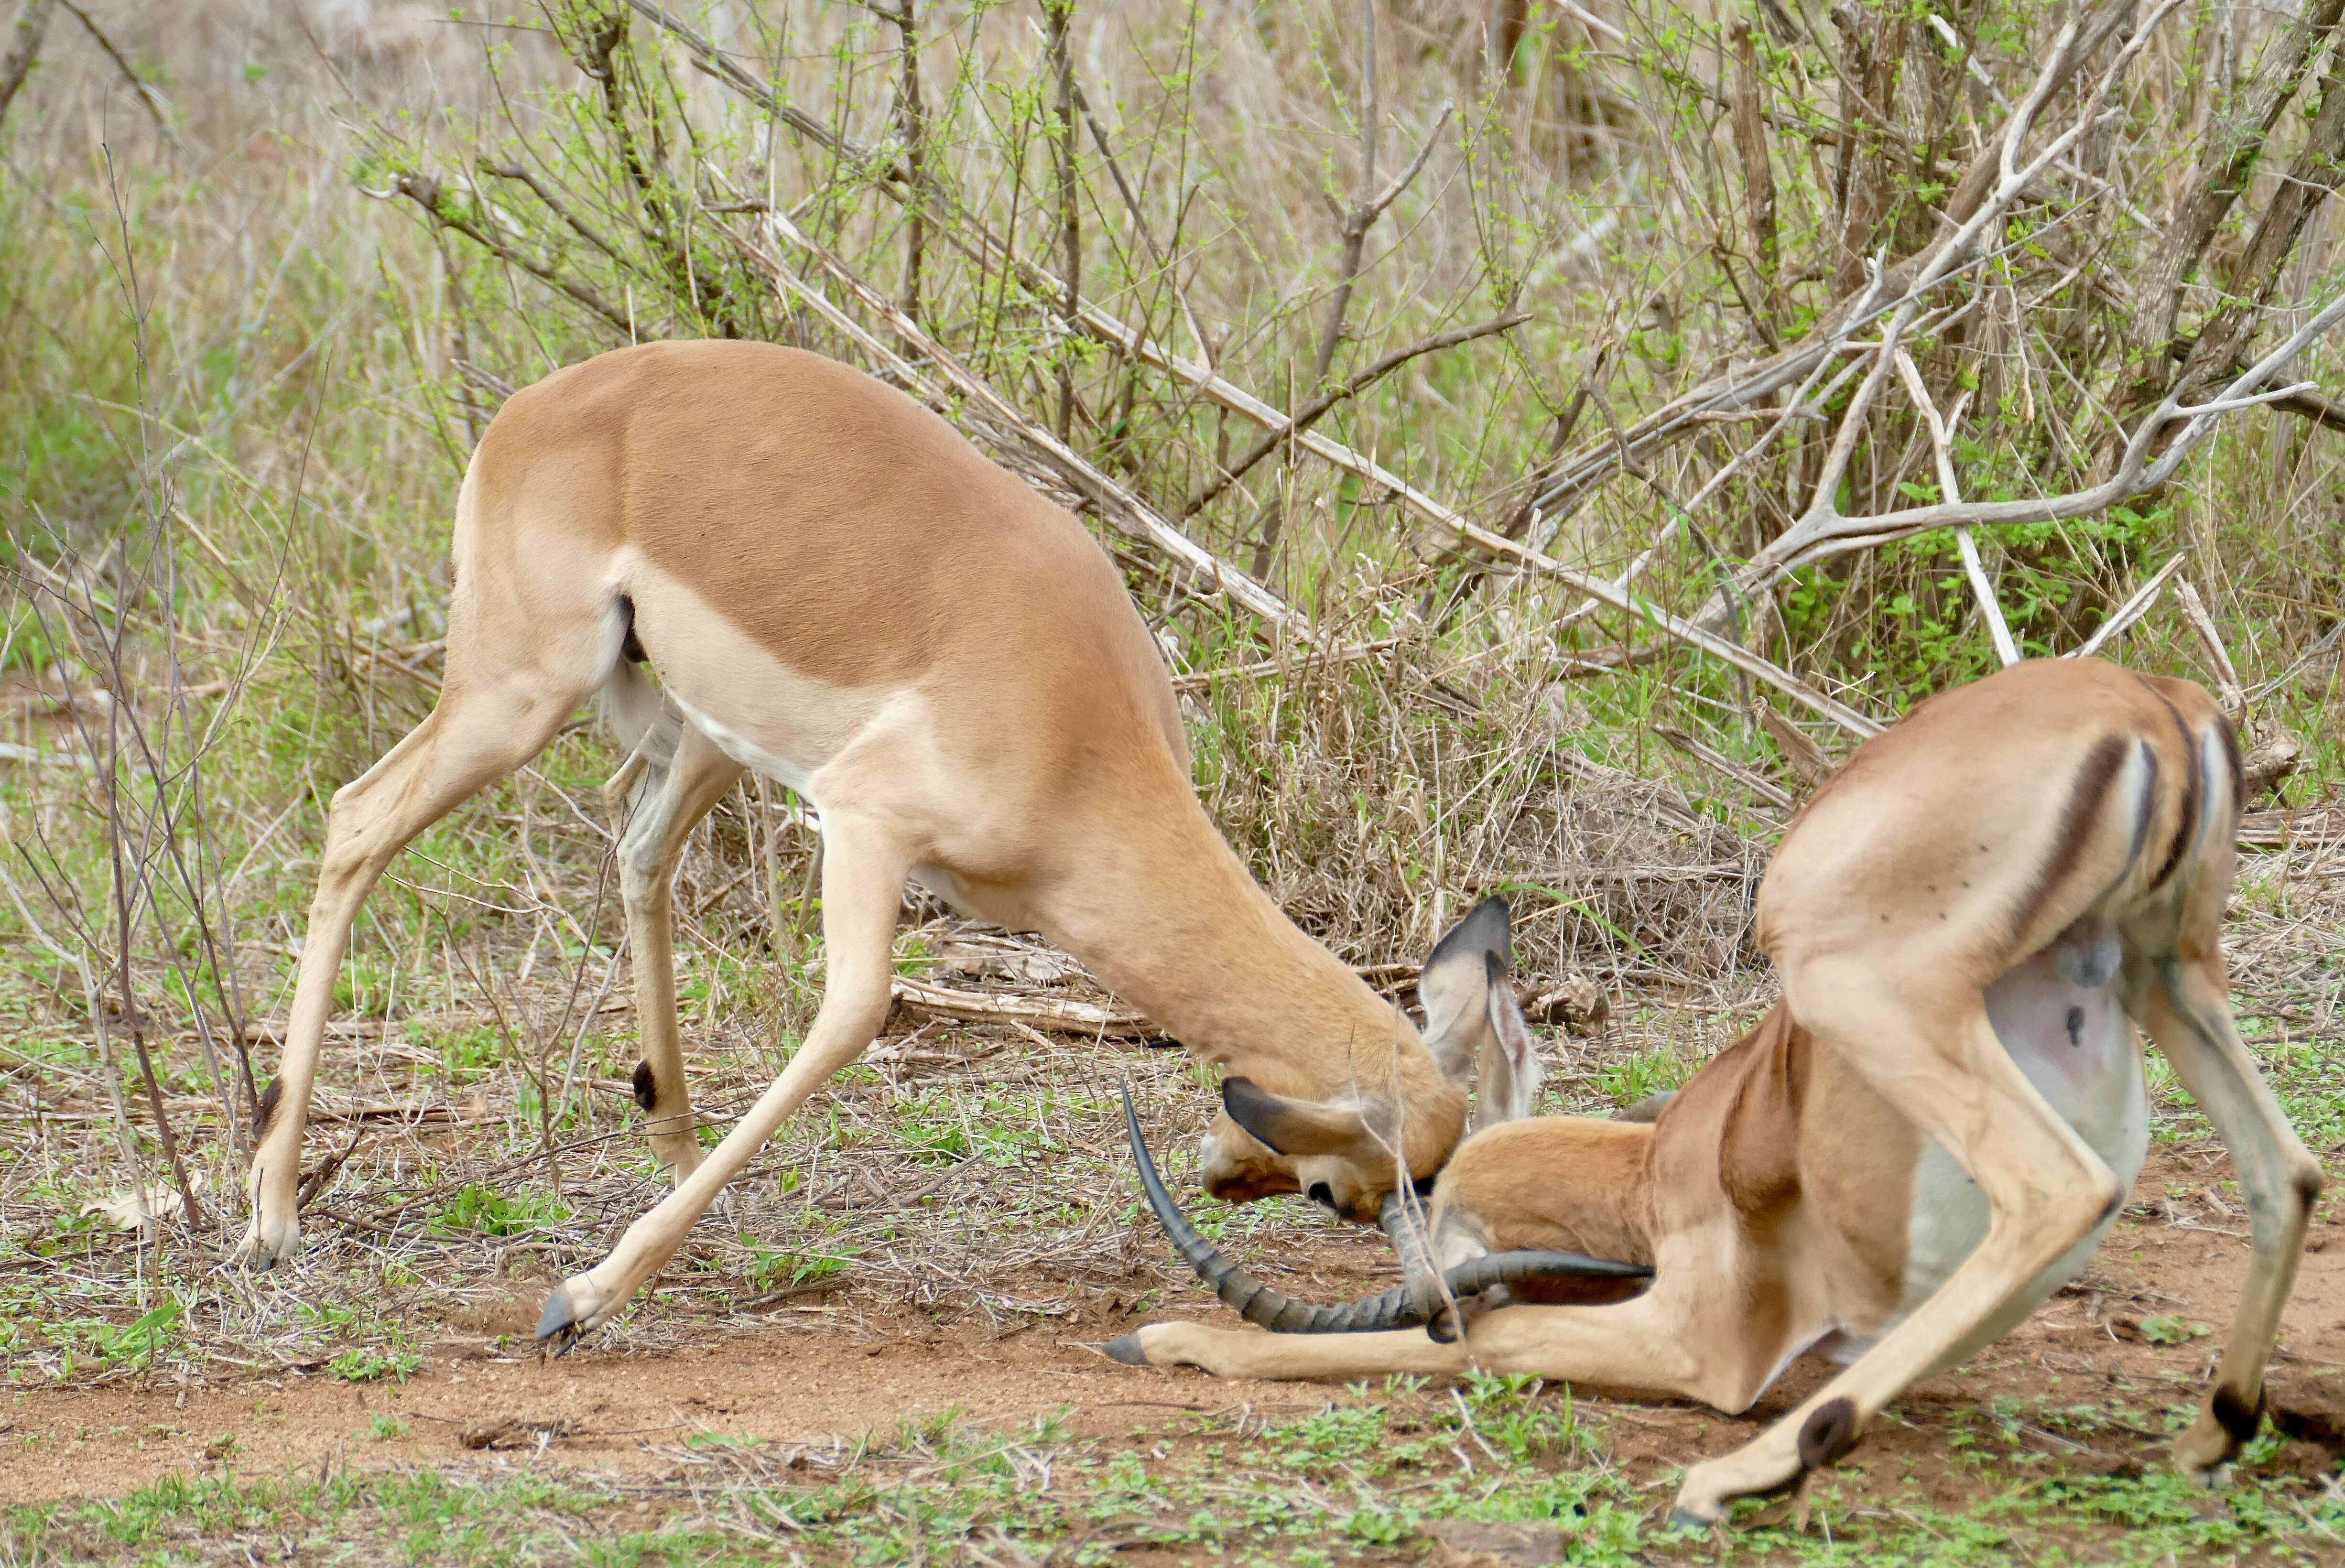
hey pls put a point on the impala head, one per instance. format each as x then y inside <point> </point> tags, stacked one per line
<point>1339,1150</point>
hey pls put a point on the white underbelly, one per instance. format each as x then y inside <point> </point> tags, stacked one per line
<point>783,770</point>
<point>757,710</point>
<point>2059,1017</point>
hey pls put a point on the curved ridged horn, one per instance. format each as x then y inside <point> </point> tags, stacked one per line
<point>1403,1222</point>
<point>1283,1314</point>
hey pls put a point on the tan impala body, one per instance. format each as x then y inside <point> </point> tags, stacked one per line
<point>1933,1130</point>
<point>835,590</point>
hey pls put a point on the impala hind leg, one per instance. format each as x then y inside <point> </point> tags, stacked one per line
<point>669,798</point>
<point>863,869</point>
<point>480,732</point>
<point>2187,1010</point>
<point>1937,1058</point>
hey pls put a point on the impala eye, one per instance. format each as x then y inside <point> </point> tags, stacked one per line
<point>1321,1193</point>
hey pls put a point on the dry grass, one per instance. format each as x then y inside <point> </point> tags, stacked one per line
<point>227,348</point>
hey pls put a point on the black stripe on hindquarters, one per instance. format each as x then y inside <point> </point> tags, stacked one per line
<point>631,647</point>
<point>2194,789</point>
<point>2085,797</point>
<point>2231,758</point>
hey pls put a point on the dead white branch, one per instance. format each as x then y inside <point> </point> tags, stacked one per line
<point>1941,449</point>
<point>2132,610</point>
<point>2227,690</point>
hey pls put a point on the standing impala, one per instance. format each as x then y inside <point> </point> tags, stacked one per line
<point>837,590</point>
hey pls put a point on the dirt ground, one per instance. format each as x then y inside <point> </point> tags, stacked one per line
<point>819,1377</point>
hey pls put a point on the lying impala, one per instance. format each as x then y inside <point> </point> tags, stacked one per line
<point>1927,1136</point>
<point>837,591</point>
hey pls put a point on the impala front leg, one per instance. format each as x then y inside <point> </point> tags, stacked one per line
<point>863,872</point>
<point>1645,1344</point>
<point>1938,1061</point>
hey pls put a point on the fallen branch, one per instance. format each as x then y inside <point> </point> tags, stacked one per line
<point>1049,1015</point>
<point>1942,451</point>
<point>2269,830</point>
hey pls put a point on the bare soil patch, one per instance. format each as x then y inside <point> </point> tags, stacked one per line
<point>820,1377</point>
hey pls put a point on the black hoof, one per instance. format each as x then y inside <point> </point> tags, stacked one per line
<point>557,1324</point>
<point>1125,1350</point>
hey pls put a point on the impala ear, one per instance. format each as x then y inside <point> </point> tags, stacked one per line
<point>1511,1071</point>
<point>1296,1128</point>
<point>1455,987</point>
<point>1472,1021</point>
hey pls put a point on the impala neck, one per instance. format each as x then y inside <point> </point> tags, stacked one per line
<point>1179,928</point>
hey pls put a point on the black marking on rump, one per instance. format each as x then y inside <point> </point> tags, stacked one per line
<point>2076,1028</point>
<point>2085,796</point>
<point>2231,758</point>
<point>646,1085</point>
<point>268,1098</point>
<point>2234,1415</point>
<point>2186,826</point>
<point>631,647</point>
<point>1826,1436</point>
<point>2147,806</point>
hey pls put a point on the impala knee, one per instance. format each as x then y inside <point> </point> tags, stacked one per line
<point>859,1013</point>
<point>2092,1203</point>
<point>2045,1219</point>
<point>644,874</point>
<point>2306,1179</point>
<point>1830,1431</point>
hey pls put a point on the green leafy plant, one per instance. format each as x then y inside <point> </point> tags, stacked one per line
<point>2167,1329</point>
<point>495,1213</point>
